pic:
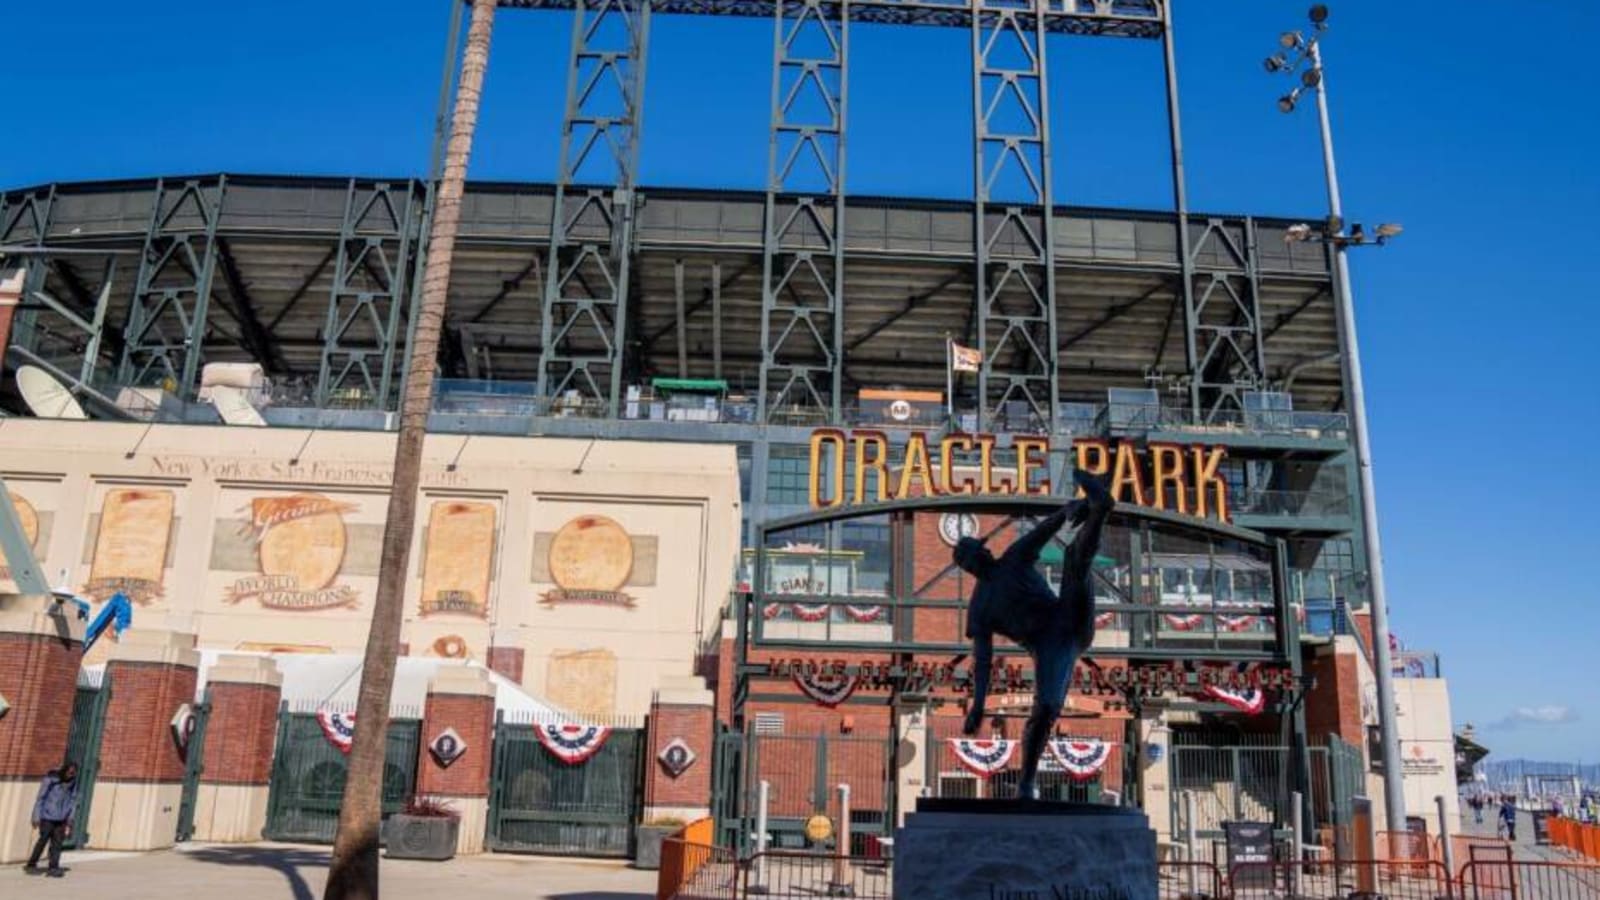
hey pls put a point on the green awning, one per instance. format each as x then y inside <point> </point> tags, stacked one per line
<point>697,385</point>
<point>1054,555</point>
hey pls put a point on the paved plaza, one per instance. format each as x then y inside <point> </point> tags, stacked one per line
<point>296,872</point>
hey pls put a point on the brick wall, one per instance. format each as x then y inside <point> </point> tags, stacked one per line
<point>137,743</point>
<point>507,661</point>
<point>472,717</point>
<point>240,733</point>
<point>1333,706</point>
<point>39,677</point>
<point>693,724</point>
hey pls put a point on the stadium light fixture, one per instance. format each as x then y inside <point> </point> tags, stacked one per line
<point>1275,63</point>
<point>1287,101</point>
<point>1319,15</point>
<point>1299,232</point>
<point>1290,40</point>
<point>1389,229</point>
<point>1311,77</point>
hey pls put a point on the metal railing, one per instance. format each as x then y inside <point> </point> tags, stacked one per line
<point>1313,504</point>
<point>1415,663</point>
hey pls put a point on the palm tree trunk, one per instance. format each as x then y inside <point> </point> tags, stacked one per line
<point>353,873</point>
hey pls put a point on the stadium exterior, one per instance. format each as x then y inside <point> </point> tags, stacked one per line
<point>617,354</point>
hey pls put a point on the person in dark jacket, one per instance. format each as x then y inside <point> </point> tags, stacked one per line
<point>52,815</point>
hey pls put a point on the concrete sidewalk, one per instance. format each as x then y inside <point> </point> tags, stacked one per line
<point>297,872</point>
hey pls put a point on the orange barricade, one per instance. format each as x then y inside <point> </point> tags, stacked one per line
<point>684,855</point>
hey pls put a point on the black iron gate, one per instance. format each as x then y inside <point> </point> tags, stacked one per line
<point>193,765</point>
<point>803,773</point>
<point>83,746</point>
<point>728,763</point>
<point>308,774</point>
<point>540,804</point>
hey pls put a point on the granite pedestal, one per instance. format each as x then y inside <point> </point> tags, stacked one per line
<point>1024,850</point>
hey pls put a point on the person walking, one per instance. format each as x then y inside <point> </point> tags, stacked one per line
<point>52,815</point>
<point>1476,802</point>
<point>1508,818</point>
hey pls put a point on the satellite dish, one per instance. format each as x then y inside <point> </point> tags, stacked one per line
<point>46,396</point>
<point>235,408</point>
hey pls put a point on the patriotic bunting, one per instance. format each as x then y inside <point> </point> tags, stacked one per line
<point>1249,701</point>
<point>864,613</point>
<point>339,728</point>
<point>1183,623</point>
<point>771,610</point>
<point>1081,758</point>
<point>1104,620</point>
<point>571,743</point>
<point>808,613</point>
<point>826,690</point>
<point>983,758</point>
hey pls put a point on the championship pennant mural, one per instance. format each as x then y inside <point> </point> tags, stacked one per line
<point>458,558</point>
<point>295,552</point>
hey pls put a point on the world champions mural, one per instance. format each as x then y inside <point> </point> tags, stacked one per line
<point>295,546</point>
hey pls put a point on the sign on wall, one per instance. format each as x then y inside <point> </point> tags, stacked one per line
<point>1187,479</point>
<point>590,559</point>
<point>458,558</point>
<point>133,534</point>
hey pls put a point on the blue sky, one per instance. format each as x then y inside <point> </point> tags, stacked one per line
<point>1472,130</point>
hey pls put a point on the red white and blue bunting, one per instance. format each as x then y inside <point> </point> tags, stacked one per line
<point>1183,623</point>
<point>1104,620</point>
<point>571,743</point>
<point>864,613</point>
<point>1249,701</point>
<point>806,612</point>
<point>338,727</point>
<point>983,758</point>
<point>826,690</point>
<point>1081,758</point>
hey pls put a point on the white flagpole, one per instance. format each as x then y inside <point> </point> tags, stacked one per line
<point>949,383</point>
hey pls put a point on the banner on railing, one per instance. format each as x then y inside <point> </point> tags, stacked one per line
<point>571,743</point>
<point>983,758</point>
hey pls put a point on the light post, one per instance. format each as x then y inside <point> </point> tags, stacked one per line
<point>1307,61</point>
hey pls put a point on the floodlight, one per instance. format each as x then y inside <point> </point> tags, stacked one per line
<point>1297,233</point>
<point>1358,235</point>
<point>1389,229</point>
<point>1287,101</point>
<point>1275,63</point>
<point>1311,77</point>
<point>1289,40</point>
<point>1319,13</point>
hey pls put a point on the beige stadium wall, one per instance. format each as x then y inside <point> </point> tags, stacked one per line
<point>607,577</point>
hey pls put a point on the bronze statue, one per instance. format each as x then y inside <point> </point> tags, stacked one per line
<point>1013,600</point>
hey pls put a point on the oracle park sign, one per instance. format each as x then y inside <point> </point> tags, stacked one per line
<point>1183,478</point>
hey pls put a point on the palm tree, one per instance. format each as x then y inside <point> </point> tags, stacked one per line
<point>353,873</point>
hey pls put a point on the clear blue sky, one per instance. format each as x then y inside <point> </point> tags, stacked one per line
<point>1478,132</point>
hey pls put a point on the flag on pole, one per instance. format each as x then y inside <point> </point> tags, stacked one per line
<point>964,359</point>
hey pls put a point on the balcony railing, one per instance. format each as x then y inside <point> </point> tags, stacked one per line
<point>1303,504</point>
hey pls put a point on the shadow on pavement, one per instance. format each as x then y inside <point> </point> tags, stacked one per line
<point>287,861</point>
<point>603,895</point>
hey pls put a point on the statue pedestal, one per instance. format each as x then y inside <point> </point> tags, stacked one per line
<point>1024,850</point>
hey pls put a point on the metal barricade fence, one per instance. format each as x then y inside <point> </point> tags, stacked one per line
<point>1182,880</point>
<point>1528,880</point>
<point>1340,880</point>
<point>794,876</point>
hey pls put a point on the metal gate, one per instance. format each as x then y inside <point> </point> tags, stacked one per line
<point>193,765</point>
<point>1346,774</point>
<point>803,774</point>
<point>727,762</point>
<point>83,746</point>
<point>308,775</point>
<point>541,804</point>
<point>1244,783</point>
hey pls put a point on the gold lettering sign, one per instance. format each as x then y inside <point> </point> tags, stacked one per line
<point>1185,479</point>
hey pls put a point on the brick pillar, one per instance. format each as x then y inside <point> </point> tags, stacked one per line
<point>462,698</point>
<point>507,661</point>
<point>140,784</point>
<point>39,657</point>
<point>231,805</point>
<point>683,709</point>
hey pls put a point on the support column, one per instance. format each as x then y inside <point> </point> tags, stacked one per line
<point>583,329</point>
<point>25,222</point>
<point>39,657</point>
<point>682,710</point>
<point>802,258</point>
<point>140,783</point>
<point>460,698</point>
<point>911,759</point>
<point>1014,317</point>
<point>231,805</point>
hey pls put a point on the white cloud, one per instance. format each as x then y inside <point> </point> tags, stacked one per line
<point>1549,714</point>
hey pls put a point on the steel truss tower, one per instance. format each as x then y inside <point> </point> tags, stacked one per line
<point>802,284</point>
<point>582,346</point>
<point>1015,321</point>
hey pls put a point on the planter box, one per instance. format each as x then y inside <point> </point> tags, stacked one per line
<point>419,837</point>
<point>647,844</point>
